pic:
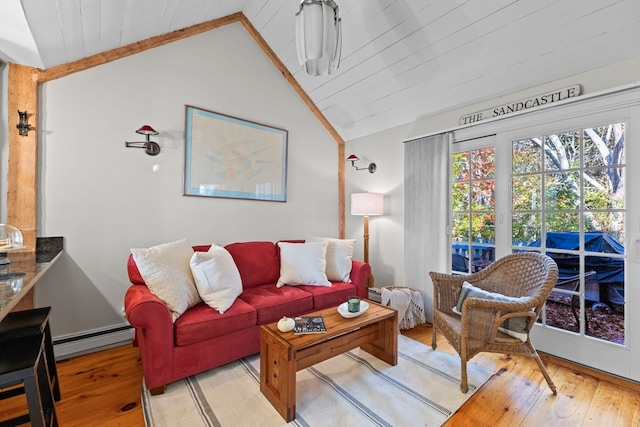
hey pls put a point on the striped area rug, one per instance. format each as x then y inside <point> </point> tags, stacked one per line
<point>353,389</point>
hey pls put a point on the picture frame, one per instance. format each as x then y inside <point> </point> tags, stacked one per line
<point>229,157</point>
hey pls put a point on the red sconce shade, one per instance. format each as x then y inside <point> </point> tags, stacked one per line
<point>150,147</point>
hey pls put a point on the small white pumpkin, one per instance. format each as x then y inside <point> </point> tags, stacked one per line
<point>286,324</point>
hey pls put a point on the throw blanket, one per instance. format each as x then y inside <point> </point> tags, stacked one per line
<point>409,304</point>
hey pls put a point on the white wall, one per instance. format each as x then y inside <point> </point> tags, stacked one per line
<point>386,253</point>
<point>105,198</point>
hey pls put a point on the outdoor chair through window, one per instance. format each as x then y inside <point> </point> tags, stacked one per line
<point>494,323</point>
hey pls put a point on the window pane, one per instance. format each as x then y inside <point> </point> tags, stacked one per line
<point>482,227</point>
<point>611,223</point>
<point>483,195</point>
<point>482,163</point>
<point>562,191</point>
<point>526,227</point>
<point>460,166</point>
<point>604,188</point>
<point>460,227</point>
<point>527,192</point>
<point>526,156</point>
<point>606,316</point>
<point>604,145</point>
<point>566,221</point>
<point>562,151</point>
<point>460,196</point>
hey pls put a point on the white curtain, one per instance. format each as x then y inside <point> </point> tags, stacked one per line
<point>426,219</point>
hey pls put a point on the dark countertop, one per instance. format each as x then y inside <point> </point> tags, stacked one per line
<point>24,270</point>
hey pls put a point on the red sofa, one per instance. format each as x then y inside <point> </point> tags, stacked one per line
<point>202,338</point>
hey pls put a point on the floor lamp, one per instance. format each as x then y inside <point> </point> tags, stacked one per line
<point>367,204</point>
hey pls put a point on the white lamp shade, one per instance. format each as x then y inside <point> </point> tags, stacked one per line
<point>367,204</point>
<point>318,36</point>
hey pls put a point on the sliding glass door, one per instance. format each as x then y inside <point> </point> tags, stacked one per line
<point>557,182</point>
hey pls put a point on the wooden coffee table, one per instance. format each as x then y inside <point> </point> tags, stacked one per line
<point>282,354</point>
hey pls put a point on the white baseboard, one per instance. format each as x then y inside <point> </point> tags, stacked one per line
<point>91,341</point>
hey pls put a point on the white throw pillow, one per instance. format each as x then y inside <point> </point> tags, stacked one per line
<point>339,256</point>
<point>166,271</point>
<point>217,277</point>
<point>303,264</point>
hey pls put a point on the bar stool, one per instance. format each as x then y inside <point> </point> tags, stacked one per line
<point>22,361</point>
<point>34,321</point>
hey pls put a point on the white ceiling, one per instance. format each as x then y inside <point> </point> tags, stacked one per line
<point>401,59</point>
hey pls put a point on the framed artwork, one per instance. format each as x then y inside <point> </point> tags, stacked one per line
<point>233,158</point>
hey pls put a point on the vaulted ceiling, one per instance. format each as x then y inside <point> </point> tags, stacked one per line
<point>401,59</point>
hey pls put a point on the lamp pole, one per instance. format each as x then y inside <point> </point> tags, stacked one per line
<point>365,236</point>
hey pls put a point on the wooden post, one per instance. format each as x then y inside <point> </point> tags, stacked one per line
<point>23,153</point>
<point>22,173</point>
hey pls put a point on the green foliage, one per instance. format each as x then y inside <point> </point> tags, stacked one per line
<point>572,160</point>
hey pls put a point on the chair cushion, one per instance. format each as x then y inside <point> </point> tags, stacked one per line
<point>515,326</point>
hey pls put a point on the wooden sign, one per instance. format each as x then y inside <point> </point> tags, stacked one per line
<point>523,104</point>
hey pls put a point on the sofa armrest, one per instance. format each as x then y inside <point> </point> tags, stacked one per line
<point>152,320</point>
<point>360,273</point>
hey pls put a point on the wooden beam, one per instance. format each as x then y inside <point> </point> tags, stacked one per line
<point>133,48</point>
<point>341,191</point>
<point>23,153</point>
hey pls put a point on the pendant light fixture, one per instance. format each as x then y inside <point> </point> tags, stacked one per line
<point>319,36</point>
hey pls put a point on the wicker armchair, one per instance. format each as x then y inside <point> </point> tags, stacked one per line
<point>528,276</point>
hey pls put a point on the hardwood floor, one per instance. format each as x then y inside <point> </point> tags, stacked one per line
<point>103,389</point>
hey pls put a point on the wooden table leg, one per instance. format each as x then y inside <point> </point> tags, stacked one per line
<point>278,375</point>
<point>386,346</point>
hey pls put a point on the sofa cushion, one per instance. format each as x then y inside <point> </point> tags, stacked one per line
<point>303,264</point>
<point>272,303</point>
<point>217,278</point>
<point>166,271</point>
<point>324,297</point>
<point>339,256</point>
<point>257,262</point>
<point>201,323</point>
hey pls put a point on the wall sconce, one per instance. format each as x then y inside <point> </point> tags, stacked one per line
<point>353,159</point>
<point>23,126</point>
<point>150,147</point>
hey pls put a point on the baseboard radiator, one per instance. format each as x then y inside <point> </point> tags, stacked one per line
<point>90,341</point>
